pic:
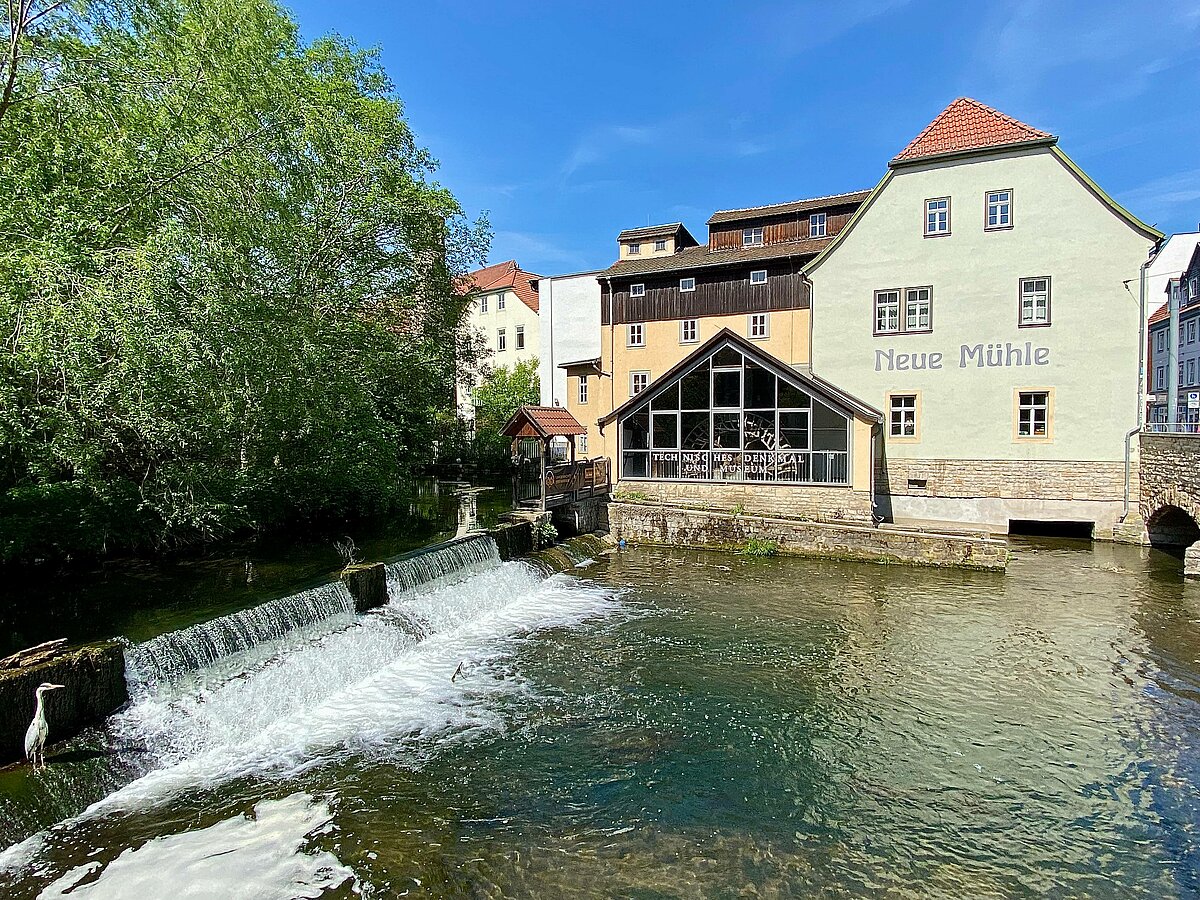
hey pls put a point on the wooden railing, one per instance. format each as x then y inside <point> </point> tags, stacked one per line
<point>570,482</point>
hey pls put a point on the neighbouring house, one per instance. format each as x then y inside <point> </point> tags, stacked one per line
<point>569,314</point>
<point>1169,261</point>
<point>1173,368</point>
<point>504,310</point>
<point>978,298</point>
<point>732,313</point>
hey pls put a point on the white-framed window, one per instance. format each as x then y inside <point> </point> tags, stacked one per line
<point>918,309</point>
<point>583,388</point>
<point>937,216</point>
<point>1191,333</point>
<point>1180,381</point>
<point>903,419</point>
<point>1160,378</point>
<point>638,382</point>
<point>1193,287</point>
<point>660,245</point>
<point>752,237</point>
<point>816,225</point>
<point>1035,302</point>
<point>520,337</point>
<point>501,339</point>
<point>1033,413</point>
<point>758,276</point>
<point>635,249</point>
<point>483,303</point>
<point>636,336</point>
<point>1161,341</point>
<point>686,285</point>
<point>637,290</point>
<point>500,300</point>
<point>887,312</point>
<point>689,333</point>
<point>1191,370</point>
<point>998,210</point>
<point>759,326</point>
<point>583,445</point>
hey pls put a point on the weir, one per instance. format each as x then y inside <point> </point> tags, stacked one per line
<point>171,657</point>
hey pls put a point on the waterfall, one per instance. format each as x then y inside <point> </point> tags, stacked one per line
<point>170,657</point>
<point>440,565</point>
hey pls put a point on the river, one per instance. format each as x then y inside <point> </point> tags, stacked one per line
<point>662,723</point>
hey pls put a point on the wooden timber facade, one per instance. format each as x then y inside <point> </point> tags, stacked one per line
<point>718,292</point>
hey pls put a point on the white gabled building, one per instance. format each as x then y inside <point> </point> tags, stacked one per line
<point>504,311</point>
<point>985,298</point>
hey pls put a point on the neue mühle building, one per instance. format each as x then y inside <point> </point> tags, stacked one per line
<point>956,344</point>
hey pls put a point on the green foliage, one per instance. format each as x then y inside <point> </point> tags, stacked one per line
<point>631,496</point>
<point>500,395</point>
<point>227,281</point>
<point>546,532</point>
<point>739,509</point>
<point>759,547</point>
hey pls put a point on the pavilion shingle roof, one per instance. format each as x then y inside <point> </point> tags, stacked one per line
<point>550,421</point>
<point>506,275</point>
<point>967,124</point>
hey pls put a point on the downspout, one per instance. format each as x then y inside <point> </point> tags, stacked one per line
<point>1141,391</point>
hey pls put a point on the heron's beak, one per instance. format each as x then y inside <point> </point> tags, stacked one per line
<point>55,686</point>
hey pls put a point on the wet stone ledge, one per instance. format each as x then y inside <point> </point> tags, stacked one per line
<point>679,526</point>
<point>93,678</point>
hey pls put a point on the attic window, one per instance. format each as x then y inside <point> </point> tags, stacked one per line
<point>635,249</point>
<point>752,237</point>
<point>660,245</point>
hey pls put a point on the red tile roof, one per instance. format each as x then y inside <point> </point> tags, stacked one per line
<point>546,421</point>
<point>506,275</point>
<point>967,124</point>
<point>1163,312</point>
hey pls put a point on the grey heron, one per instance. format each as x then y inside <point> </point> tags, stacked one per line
<point>39,729</point>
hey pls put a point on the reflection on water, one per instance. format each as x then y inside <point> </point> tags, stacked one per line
<point>720,726</point>
<point>138,599</point>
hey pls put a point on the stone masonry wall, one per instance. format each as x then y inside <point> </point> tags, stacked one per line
<point>676,526</point>
<point>1016,479</point>
<point>1170,474</point>
<point>823,504</point>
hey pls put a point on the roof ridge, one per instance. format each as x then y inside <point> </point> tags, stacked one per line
<point>790,202</point>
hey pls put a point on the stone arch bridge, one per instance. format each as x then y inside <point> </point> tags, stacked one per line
<point>1169,495</point>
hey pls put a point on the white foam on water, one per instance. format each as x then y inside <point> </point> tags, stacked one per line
<point>262,857</point>
<point>372,688</point>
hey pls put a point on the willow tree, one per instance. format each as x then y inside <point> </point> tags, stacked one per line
<point>227,276</point>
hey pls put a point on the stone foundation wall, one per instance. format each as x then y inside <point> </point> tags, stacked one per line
<point>1008,478</point>
<point>678,526</point>
<point>822,504</point>
<point>1170,473</point>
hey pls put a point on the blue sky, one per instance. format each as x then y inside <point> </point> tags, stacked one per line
<point>567,122</point>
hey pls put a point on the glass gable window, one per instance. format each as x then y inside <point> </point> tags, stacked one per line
<point>730,419</point>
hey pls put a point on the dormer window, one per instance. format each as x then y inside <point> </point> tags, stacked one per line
<point>660,245</point>
<point>635,249</point>
<point>752,237</point>
<point>816,225</point>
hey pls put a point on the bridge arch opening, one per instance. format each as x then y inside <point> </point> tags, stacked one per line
<point>1172,528</point>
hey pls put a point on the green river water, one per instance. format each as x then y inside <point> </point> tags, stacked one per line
<point>663,723</point>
